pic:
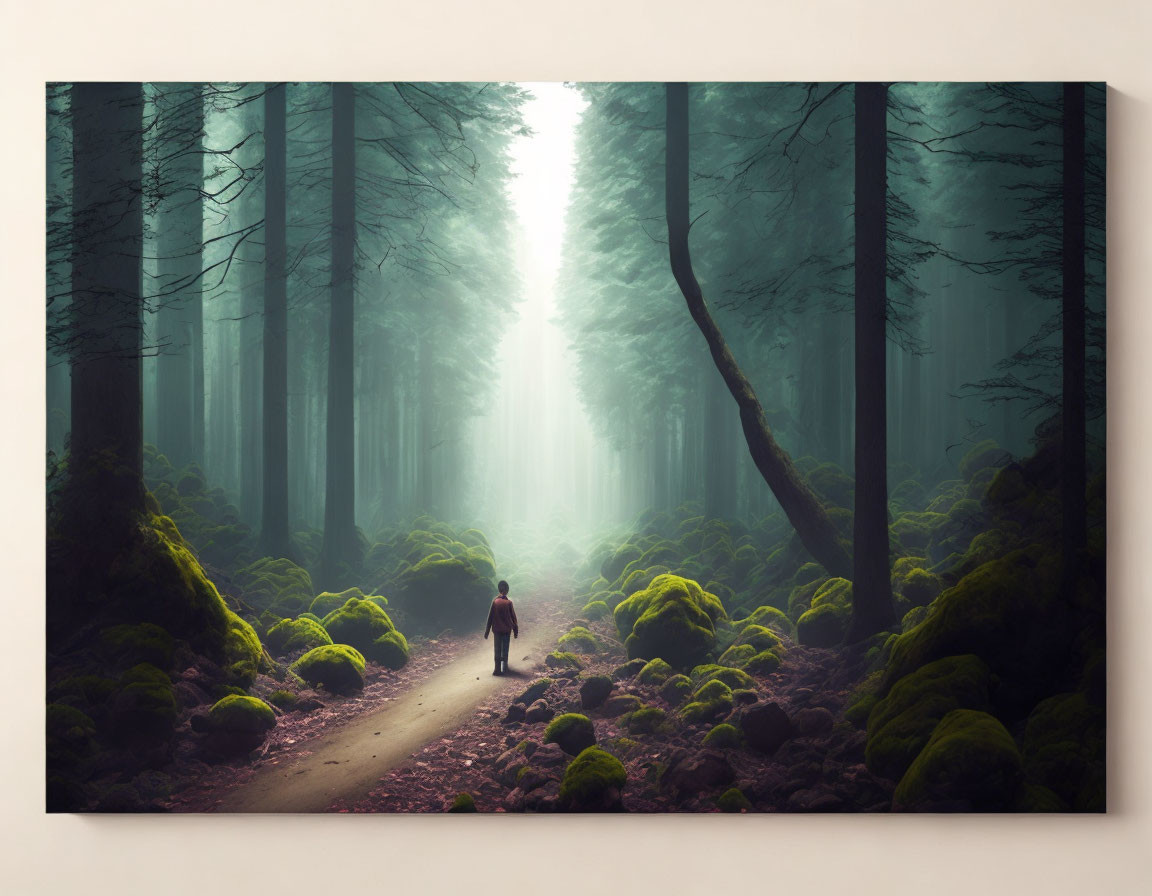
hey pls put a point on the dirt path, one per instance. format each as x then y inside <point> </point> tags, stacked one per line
<point>345,763</point>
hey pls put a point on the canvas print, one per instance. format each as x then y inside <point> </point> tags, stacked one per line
<point>565,447</point>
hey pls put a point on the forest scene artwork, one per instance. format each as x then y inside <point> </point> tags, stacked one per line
<point>575,447</point>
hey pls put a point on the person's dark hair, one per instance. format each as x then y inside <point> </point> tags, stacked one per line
<point>503,587</point>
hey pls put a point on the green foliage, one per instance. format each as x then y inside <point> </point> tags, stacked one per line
<point>593,781</point>
<point>463,801</point>
<point>328,601</point>
<point>337,667</point>
<point>572,732</point>
<point>278,584</point>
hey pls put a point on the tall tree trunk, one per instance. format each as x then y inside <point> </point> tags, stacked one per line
<point>341,551</point>
<point>274,503</point>
<point>179,241</point>
<point>107,460</point>
<point>1073,437</point>
<point>872,609</point>
<point>805,513</point>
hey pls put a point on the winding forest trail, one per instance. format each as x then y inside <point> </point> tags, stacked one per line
<point>345,763</point>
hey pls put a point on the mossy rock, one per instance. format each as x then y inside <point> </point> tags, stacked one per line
<point>709,701</point>
<point>832,485</point>
<point>572,732</point>
<point>595,609</point>
<point>365,626</point>
<point>734,678</point>
<point>337,667</point>
<point>800,597</point>
<point>676,689</point>
<point>389,650</point>
<point>630,669</point>
<point>243,653</point>
<point>463,803</point>
<point>594,690</point>
<point>593,782</point>
<point>733,800</point>
<point>773,618</point>
<point>613,567</point>
<point>128,645</point>
<point>824,626</point>
<point>673,618</point>
<point>913,618</point>
<point>759,637</point>
<point>724,737</point>
<point>1064,749</point>
<point>579,640</point>
<point>655,672</point>
<point>327,601</point>
<point>900,724</point>
<point>737,655</point>
<point>645,720</point>
<point>622,703</point>
<point>563,660</point>
<point>991,612</point>
<point>920,587</point>
<point>970,760</point>
<point>242,715</point>
<point>446,592</point>
<point>534,691</point>
<point>764,663</point>
<point>981,456</point>
<point>143,707</point>
<point>283,699</point>
<point>293,634</point>
<point>71,736</point>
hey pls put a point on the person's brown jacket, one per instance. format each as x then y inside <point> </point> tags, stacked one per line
<point>502,618</point>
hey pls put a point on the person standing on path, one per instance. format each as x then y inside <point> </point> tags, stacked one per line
<point>502,622</point>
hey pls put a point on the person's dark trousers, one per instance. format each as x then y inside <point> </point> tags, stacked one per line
<point>500,648</point>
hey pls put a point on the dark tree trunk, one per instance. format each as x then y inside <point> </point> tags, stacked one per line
<point>805,513</point>
<point>106,463</point>
<point>274,513</point>
<point>341,551</point>
<point>1073,437</point>
<point>872,609</point>
<point>179,241</point>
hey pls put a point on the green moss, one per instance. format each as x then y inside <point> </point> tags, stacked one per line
<point>1064,747</point>
<point>970,757</point>
<point>832,485</point>
<point>712,699</point>
<point>329,601</point>
<point>612,567</point>
<point>562,660</point>
<point>595,609</point>
<point>760,638</point>
<point>312,616</point>
<point>71,735</point>
<point>915,530</point>
<point>127,645</point>
<point>389,650</point>
<point>800,598</point>
<point>913,618</point>
<point>143,706</point>
<point>724,737</point>
<point>676,688</point>
<point>463,803</point>
<point>900,725</point>
<point>824,626</point>
<point>982,455</point>
<point>242,715</point>
<point>593,781</point>
<point>733,800</point>
<point>920,587</point>
<point>242,651</point>
<point>764,663</point>
<point>365,626</point>
<point>645,720</point>
<point>536,690</point>
<point>673,619</point>
<point>283,699</point>
<point>579,640</point>
<point>293,634</point>
<point>655,672</point>
<point>773,618</point>
<point>737,655</point>
<point>572,732</point>
<point>337,667</point>
<point>734,678</point>
<point>440,592</point>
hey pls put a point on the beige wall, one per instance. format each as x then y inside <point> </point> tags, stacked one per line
<point>577,40</point>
